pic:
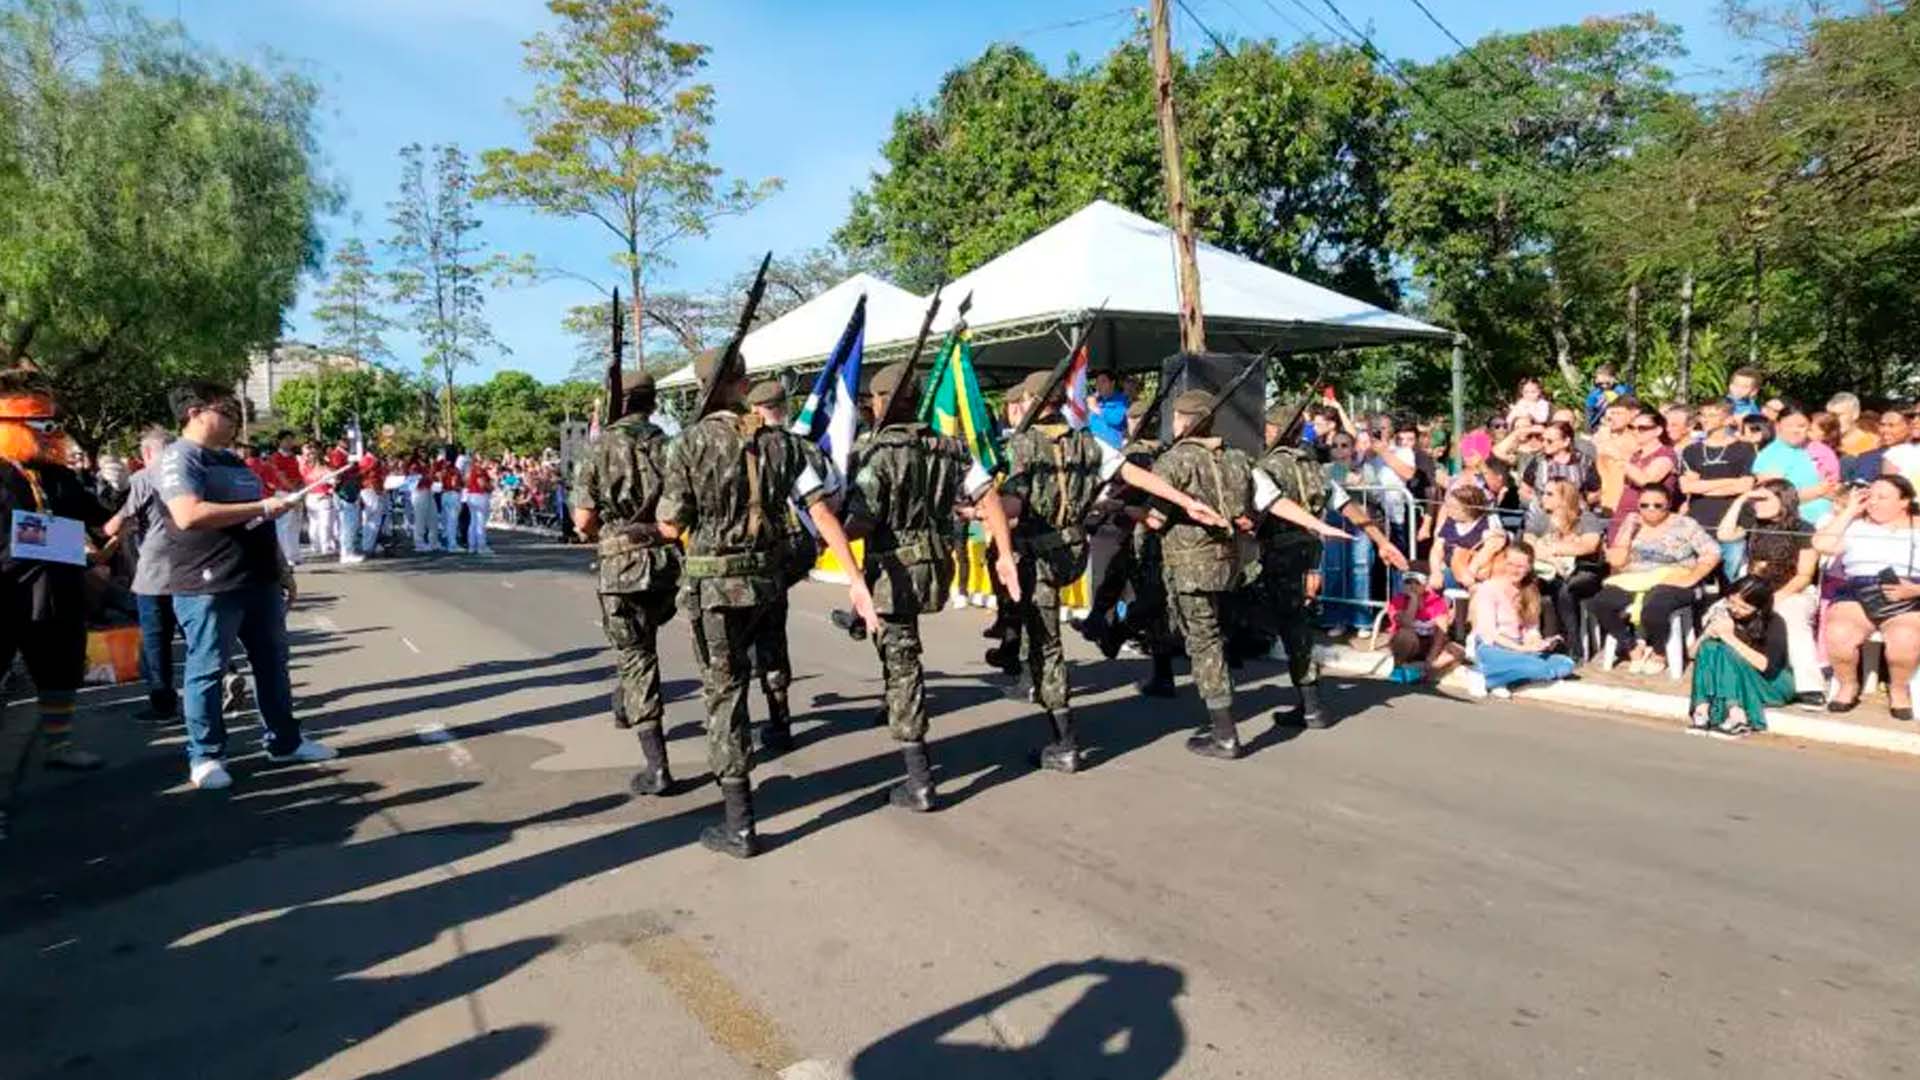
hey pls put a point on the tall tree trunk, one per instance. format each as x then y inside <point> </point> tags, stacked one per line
<point>1684,377</point>
<point>1753,307</point>
<point>636,342</point>
<point>1632,376</point>
<point>446,403</point>
<point>1557,322</point>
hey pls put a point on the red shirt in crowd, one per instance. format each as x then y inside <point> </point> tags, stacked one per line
<point>286,471</point>
<point>446,476</point>
<point>373,475</point>
<point>311,471</point>
<point>264,469</point>
<point>479,480</point>
<point>336,457</point>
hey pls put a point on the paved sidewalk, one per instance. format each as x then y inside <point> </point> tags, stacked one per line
<point>1659,698</point>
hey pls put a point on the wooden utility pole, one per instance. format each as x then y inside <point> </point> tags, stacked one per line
<point>1193,334</point>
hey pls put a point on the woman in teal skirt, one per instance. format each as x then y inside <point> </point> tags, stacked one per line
<point>1740,662</point>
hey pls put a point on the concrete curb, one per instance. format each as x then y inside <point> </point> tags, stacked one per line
<point>1627,701</point>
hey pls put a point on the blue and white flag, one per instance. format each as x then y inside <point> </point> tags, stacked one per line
<point>832,409</point>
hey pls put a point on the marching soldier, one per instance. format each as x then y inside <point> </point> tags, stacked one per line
<point>1054,477</point>
<point>728,480</point>
<point>616,488</point>
<point>901,501</point>
<point>798,552</point>
<point>1281,597</point>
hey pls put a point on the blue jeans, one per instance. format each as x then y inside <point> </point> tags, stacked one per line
<point>1346,570</point>
<point>156,647</point>
<point>1510,667</point>
<point>255,618</point>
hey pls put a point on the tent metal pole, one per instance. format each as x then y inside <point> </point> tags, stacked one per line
<point>1459,395</point>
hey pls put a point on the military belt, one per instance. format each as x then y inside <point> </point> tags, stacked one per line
<point>1049,542</point>
<point>913,551</point>
<point>628,537</point>
<point>1206,556</point>
<point>746,564</point>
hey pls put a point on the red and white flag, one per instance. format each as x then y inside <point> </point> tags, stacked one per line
<point>1076,404</point>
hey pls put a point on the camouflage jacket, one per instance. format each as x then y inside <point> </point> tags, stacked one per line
<point>1057,474</point>
<point>1199,559</point>
<point>1300,477</point>
<point>728,482</point>
<point>620,477</point>
<point>902,496</point>
<point>801,549</point>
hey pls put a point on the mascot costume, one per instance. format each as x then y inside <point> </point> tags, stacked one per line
<point>42,591</point>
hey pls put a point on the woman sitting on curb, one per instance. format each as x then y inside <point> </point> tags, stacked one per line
<point>1879,555</point>
<point>1779,546</point>
<point>1418,621</point>
<point>1739,660</point>
<point>1658,558</point>
<point>1505,622</point>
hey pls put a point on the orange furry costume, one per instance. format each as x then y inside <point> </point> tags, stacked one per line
<point>23,444</point>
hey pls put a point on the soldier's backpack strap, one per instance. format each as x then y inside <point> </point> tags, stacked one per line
<point>750,425</point>
<point>1060,507</point>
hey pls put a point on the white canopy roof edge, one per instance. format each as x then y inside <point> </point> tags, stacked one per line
<point>808,333</point>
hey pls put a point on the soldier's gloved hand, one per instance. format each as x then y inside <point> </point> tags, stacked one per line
<point>1009,573</point>
<point>863,604</point>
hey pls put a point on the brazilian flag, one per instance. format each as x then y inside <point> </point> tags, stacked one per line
<point>953,406</point>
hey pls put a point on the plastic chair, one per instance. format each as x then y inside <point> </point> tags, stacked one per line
<point>1680,634</point>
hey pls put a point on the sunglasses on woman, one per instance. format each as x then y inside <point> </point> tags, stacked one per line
<point>41,424</point>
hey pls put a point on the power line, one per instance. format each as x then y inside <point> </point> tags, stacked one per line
<point>1204,28</point>
<point>1070,24</point>
<point>1469,51</point>
<point>1367,48</point>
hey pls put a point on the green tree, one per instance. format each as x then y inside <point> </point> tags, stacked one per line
<point>617,133</point>
<point>441,264</point>
<point>158,206</point>
<point>326,402</point>
<point>348,311</point>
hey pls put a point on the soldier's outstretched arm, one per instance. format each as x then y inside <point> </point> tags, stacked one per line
<point>994,515</point>
<point>1390,552</point>
<point>1293,513</point>
<point>828,522</point>
<point>1146,481</point>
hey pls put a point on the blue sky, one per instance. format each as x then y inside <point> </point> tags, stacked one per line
<point>807,90</point>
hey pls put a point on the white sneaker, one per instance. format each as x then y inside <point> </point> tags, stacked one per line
<point>208,774</point>
<point>307,753</point>
<point>1476,683</point>
<point>1501,692</point>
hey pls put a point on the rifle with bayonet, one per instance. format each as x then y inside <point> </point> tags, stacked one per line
<point>1059,373</point>
<point>901,402</point>
<point>723,371</point>
<point>1170,371</point>
<point>616,381</point>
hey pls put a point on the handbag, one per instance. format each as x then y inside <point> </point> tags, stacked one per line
<point>1873,596</point>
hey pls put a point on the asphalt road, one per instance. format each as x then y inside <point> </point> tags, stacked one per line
<point>1429,889</point>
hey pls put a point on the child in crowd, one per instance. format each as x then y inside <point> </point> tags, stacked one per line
<point>1418,621</point>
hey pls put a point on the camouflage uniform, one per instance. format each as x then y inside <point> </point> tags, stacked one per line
<point>728,482</point>
<point>1202,565</point>
<point>1057,474</point>
<point>619,478</point>
<point>1281,607</point>
<point>902,499</point>
<point>799,550</point>
<point>1147,614</point>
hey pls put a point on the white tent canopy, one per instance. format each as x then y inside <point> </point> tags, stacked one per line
<point>1027,302</point>
<point>807,334</point>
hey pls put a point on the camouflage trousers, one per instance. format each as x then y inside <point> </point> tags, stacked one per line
<point>1147,614</point>
<point>1198,615</point>
<point>906,680</point>
<point>632,622</point>
<point>1039,615</point>
<point>770,658</point>
<point>722,640</point>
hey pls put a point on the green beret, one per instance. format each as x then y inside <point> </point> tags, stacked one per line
<point>641,381</point>
<point>769,392</point>
<point>887,380</point>
<point>1193,403</point>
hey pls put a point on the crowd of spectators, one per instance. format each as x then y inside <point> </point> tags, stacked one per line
<point>1738,535</point>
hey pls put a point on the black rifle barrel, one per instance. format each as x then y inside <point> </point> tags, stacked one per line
<point>723,373</point>
<point>616,381</point>
<point>1059,373</point>
<point>1225,394</point>
<point>901,399</point>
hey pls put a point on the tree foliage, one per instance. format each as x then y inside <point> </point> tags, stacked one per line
<point>324,403</point>
<point>157,207</point>
<point>617,134</point>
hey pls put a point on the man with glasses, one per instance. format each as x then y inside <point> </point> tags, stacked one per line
<point>43,561</point>
<point>229,586</point>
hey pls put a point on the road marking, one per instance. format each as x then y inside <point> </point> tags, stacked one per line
<point>325,624</point>
<point>438,733</point>
<point>505,584</point>
<point>408,642</point>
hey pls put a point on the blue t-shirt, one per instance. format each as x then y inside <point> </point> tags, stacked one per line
<point>1796,466</point>
<point>1743,407</point>
<point>1107,419</point>
<point>213,560</point>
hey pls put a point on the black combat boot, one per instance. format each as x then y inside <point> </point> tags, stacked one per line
<point>1160,683</point>
<point>1220,739</point>
<point>776,735</point>
<point>1063,753</point>
<point>916,791</point>
<point>656,778</point>
<point>734,836</point>
<point>1309,713</point>
<point>1006,657</point>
